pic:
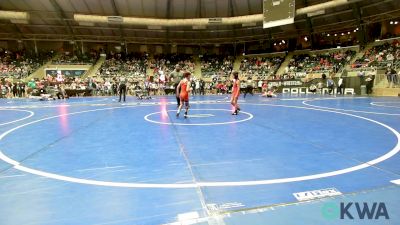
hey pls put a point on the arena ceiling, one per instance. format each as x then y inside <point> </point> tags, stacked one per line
<point>54,20</point>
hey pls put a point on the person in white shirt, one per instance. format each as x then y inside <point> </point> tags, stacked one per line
<point>259,85</point>
<point>197,86</point>
<point>390,57</point>
<point>249,87</point>
<point>162,76</point>
<point>340,87</point>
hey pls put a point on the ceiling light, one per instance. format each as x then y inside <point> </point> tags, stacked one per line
<point>13,15</point>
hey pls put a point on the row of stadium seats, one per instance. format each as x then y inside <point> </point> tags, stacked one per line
<point>67,58</point>
<point>131,65</point>
<point>323,62</point>
<point>262,67</point>
<point>384,55</point>
<point>19,64</point>
<point>212,65</point>
<point>167,62</point>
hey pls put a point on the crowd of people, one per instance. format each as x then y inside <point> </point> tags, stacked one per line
<point>119,64</point>
<point>215,65</point>
<point>382,56</point>
<point>261,68</point>
<point>216,70</point>
<point>68,58</point>
<point>323,62</point>
<point>167,62</point>
<point>20,64</point>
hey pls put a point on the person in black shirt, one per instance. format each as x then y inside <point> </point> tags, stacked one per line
<point>202,84</point>
<point>15,90</point>
<point>177,75</point>
<point>122,88</point>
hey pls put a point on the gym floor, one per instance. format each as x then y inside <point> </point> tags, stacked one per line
<point>92,161</point>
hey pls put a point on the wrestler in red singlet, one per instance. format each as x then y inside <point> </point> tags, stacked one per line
<point>184,95</point>
<point>235,92</point>
<point>184,86</point>
<point>235,89</point>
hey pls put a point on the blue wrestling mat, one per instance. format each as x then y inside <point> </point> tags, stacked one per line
<point>286,160</point>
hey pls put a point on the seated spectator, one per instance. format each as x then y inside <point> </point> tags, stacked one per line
<point>382,56</point>
<point>20,64</point>
<point>323,62</point>
<point>215,65</point>
<point>118,64</point>
<point>260,67</point>
<point>78,58</point>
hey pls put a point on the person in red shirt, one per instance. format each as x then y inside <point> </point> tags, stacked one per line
<point>185,88</point>
<point>235,93</point>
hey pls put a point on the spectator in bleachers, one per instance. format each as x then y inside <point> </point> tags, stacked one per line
<point>382,56</point>
<point>20,64</point>
<point>324,62</point>
<point>118,64</point>
<point>78,58</point>
<point>260,67</point>
<point>215,65</point>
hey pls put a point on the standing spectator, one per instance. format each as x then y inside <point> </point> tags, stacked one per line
<point>330,84</point>
<point>197,86</point>
<point>122,88</point>
<point>259,85</point>
<point>193,86</point>
<point>395,78</point>
<point>202,84</point>
<point>249,87</point>
<point>369,81</point>
<point>340,87</point>
<point>15,90</point>
<point>392,77</point>
<point>176,76</point>
<point>22,90</point>
<point>114,88</point>
<point>361,75</point>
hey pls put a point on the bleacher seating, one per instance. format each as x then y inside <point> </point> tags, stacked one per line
<point>67,58</point>
<point>20,64</point>
<point>131,65</point>
<point>384,55</point>
<point>167,62</point>
<point>216,65</point>
<point>323,62</point>
<point>260,68</point>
